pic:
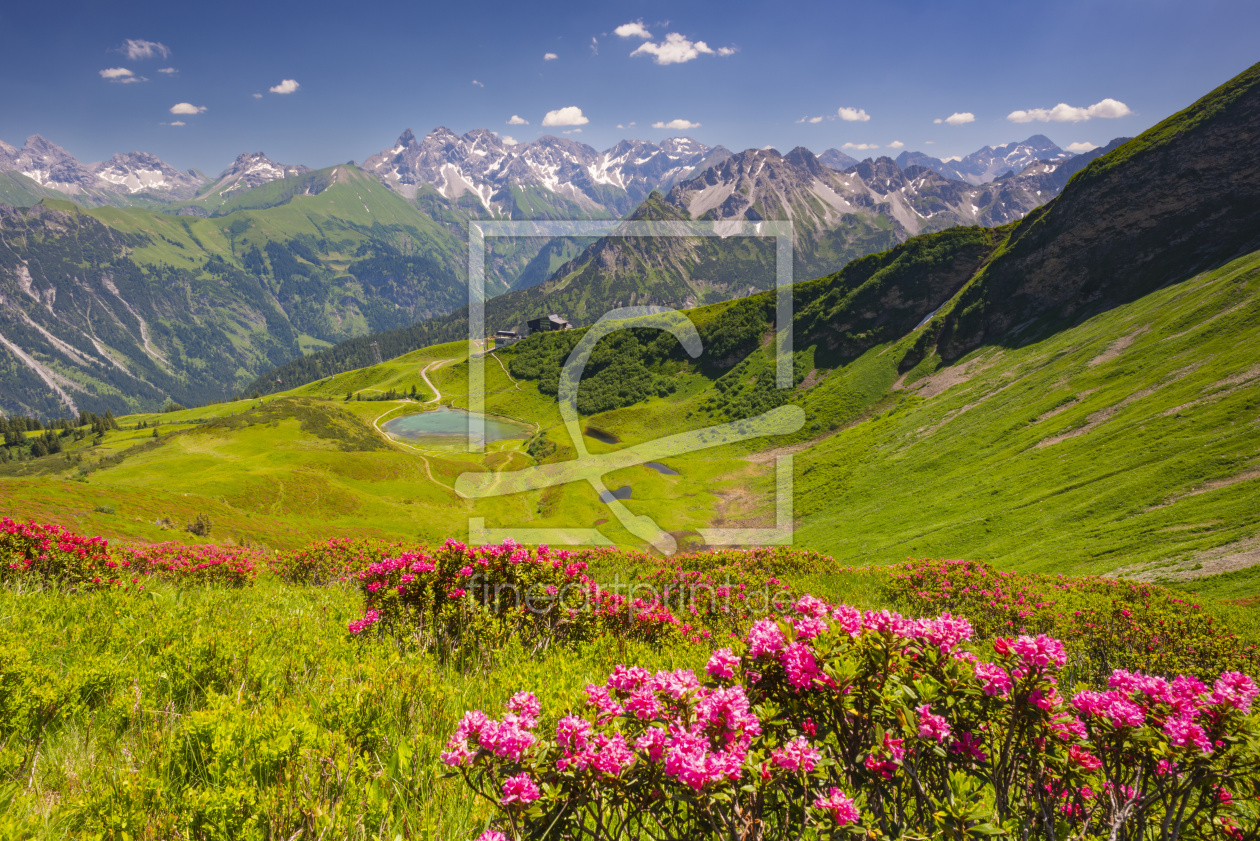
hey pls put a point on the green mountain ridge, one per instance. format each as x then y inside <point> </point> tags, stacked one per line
<point>221,299</point>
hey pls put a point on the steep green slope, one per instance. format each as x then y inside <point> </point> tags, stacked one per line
<point>1130,443</point>
<point>16,190</point>
<point>1178,199</point>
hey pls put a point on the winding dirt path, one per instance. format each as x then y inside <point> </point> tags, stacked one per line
<point>505,371</point>
<point>376,424</point>
<point>424,375</point>
<point>420,453</point>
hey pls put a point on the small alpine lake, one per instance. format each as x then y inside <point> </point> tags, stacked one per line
<point>446,425</point>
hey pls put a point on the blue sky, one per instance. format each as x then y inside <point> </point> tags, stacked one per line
<point>746,73</point>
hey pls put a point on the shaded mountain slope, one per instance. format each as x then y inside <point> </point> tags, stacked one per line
<point>1182,197</point>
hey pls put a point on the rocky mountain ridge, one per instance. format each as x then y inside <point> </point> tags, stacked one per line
<point>991,162</point>
<point>123,176</point>
<point>250,170</point>
<point>485,173</point>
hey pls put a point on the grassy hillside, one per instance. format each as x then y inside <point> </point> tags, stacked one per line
<point>1127,444</point>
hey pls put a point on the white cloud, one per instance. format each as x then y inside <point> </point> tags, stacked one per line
<point>187,108</point>
<point>896,144</point>
<point>169,71</point>
<point>550,56</point>
<point>594,45</point>
<point>285,86</point>
<point>810,120</point>
<point>257,96</point>
<point>478,84</point>
<point>569,116</point>
<point>1082,146</point>
<point>177,123</point>
<point>853,115</point>
<point>957,118</point>
<point>725,51</point>
<point>861,147</point>
<point>677,49</point>
<point>1107,109</point>
<point>121,75</point>
<point>517,120</point>
<point>572,131</point>
<point>509,140</point>
<point>950,160</point>
<point>627,125</point>
<point>136,49</point>
<point>677,125</point>
<point>632,30</point>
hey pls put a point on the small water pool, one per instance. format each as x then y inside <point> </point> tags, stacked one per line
<point>660,468</point>
<point>450,426</point>
<point>621,493</point>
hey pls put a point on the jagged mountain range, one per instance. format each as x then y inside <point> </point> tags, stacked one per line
<point>837,217</point>
<point>120,308</point>
<point>116,180</point>
<point>990,162</point>
<point>250,170</point>
<point>286,259</point>
<point>1178,200</point>
<point>483,169</point>
<point>478,170</point>
<point>131,175</point>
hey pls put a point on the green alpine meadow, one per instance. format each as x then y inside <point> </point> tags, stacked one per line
<point>889,490</point>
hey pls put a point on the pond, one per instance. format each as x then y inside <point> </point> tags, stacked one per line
<point>620,493</point>
<point>450,426</point>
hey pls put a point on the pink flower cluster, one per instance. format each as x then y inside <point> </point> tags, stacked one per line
<point>797,756</point>
<point>507,739</point>
<point>932,726</point>
<point>840,806</point>
<point>1179,708</point>
<point>521,790</point>
<point>698,734</point>
<point>357,626</point>
<point>775,726</point>
<point>233,566</point>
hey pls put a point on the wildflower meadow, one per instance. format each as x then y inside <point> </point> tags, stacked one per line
<point>369,689</point>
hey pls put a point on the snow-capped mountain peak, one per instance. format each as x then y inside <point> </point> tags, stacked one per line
<point>984,165</point>
<point>125,174</point>
<point>138,172</point>
<point>480,164</point>
<point>250,170</point>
